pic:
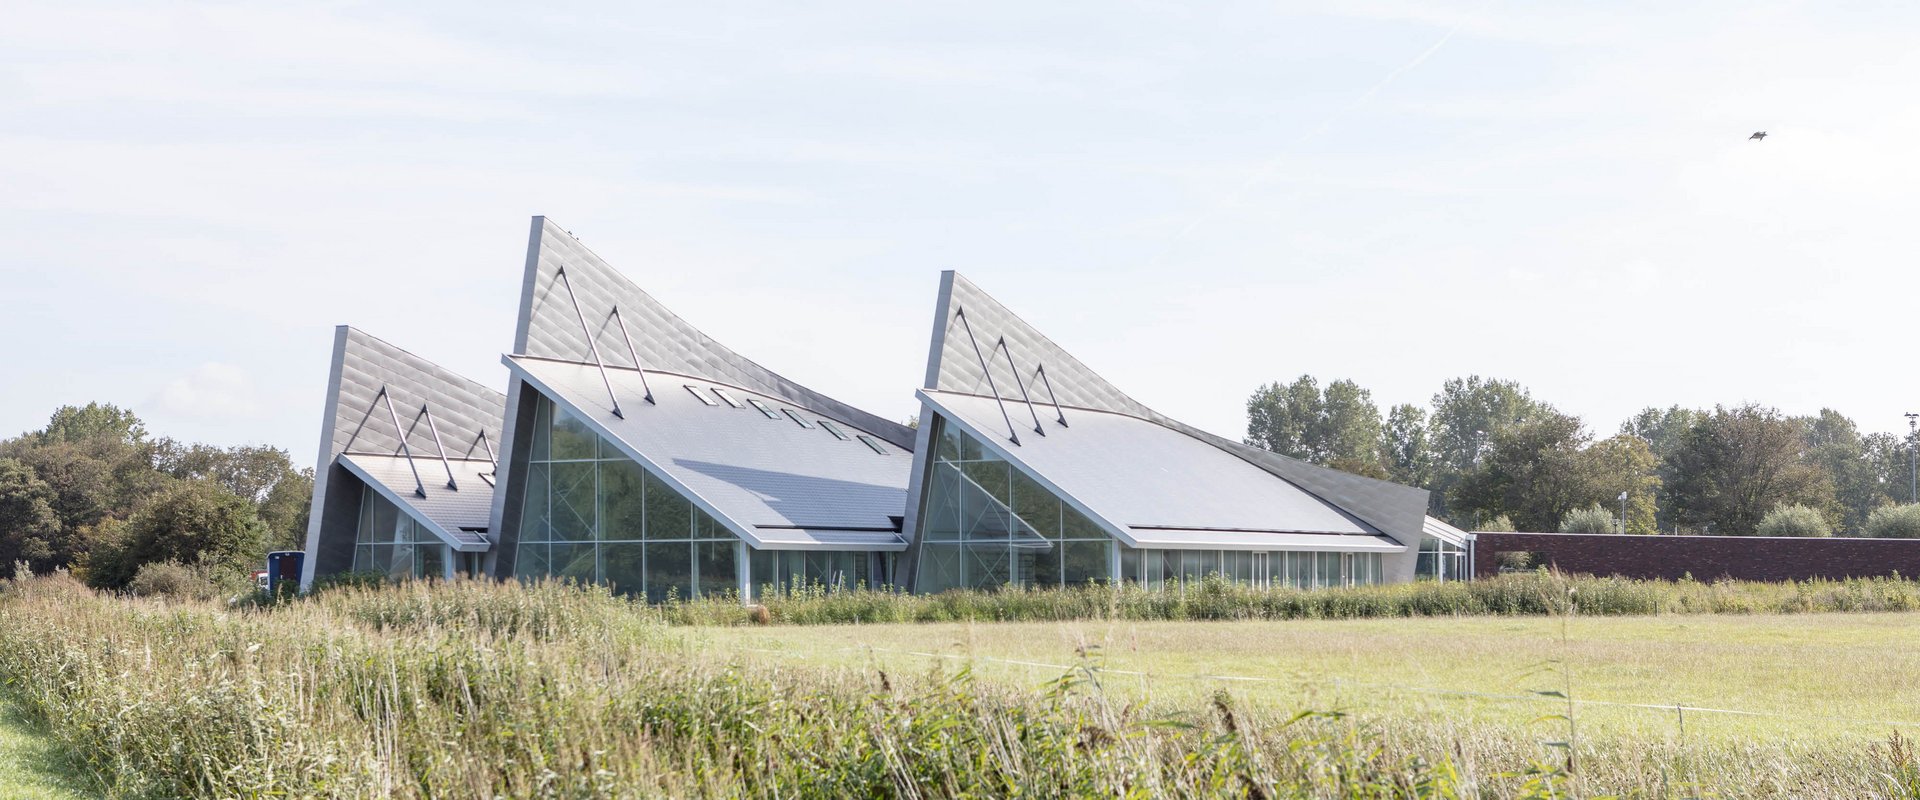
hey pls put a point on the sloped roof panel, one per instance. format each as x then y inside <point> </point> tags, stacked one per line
<point>955,366</point>
<point>774,479</point>
<point>550,328</point>
<point>458,517</point>
<point>1177,539</point>
<point>461,408</point>
<point>1446,533</point>
<point>1142,475</point>
<point>827,539</point>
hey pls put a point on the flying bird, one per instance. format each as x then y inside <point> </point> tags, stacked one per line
<point>1757,135</point>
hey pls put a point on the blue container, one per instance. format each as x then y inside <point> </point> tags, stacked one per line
<point>283,568</point>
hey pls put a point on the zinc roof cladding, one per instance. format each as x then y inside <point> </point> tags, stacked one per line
<point>550,328</point>
<point>1444,532</point>
<point>953,366</point>
<point>461,408</point>
<point>828,539</point>
<point>1251,540</point>
<point>1158,484</point>
<point>445,511</point>
<point>781,485</point>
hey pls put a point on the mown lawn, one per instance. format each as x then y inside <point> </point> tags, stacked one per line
<point>30,766</point>
<point>1797,673</point>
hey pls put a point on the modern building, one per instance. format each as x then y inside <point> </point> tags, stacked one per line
<point>636,452</point>
<point>1032,470</point>
<point>407,457</point>
<point>646,456</point>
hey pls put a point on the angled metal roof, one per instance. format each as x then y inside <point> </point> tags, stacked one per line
<point>458,518</point>
<point>375,385</point>
<point>462,409</point>
<point>774,483</point>
<point>1157,487</point>
<point>980,347</point>
<point>1446,533</point>
<point>549,327</point>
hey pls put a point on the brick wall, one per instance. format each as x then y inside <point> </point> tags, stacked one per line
<point>1758,558</point>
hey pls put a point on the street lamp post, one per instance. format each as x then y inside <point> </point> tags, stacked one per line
<point>1623,513</point>
<point>1913,457</point>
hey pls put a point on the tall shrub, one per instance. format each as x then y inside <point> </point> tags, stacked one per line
<point>1592,519</point>
<point>1793,520</point>
<point>194,523</point>
<point>1895,522</point>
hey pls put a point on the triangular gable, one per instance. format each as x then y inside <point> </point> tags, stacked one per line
<point>550,327</point>
<point>461,409</point>
<point>954,364</point>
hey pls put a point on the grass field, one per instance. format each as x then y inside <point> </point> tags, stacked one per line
<point>479,689</point>
<point>1797,673</point>
<point>30,767</point>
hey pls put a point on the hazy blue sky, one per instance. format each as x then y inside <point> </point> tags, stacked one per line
<point>1194,199</point>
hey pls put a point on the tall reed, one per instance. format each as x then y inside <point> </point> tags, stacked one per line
<point>470,690</point>
<point>1530,593</point>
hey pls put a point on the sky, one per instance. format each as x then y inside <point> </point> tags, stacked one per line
<point>1194,199</point>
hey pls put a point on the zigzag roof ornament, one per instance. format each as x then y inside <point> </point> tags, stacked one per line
<point>560,270</point>
<point>1399,511</point>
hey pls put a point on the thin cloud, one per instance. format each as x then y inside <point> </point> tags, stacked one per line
<point>211,391</point>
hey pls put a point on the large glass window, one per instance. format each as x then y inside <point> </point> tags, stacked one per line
<point>593,515</point>
<point>787,570</point>
<point>393,543</point>
<point>1301,570</point>
<point>1440,560</point>
<point>985,524</point>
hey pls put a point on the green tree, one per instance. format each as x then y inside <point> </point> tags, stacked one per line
<point>1467,413</point>
<point>1283,417</point>
<point>1338,428</point>
<point>1834,443</point>
<point>1533,472</point>
<point>193,523</point>
<point>1736,465</point>
<point>1663,428</point>
<point>1625,463</point>
<point>1887,462</point>
<point>1793,520</point>
<point>1895,522</point>
<point>93,421</point>
<point>1409,455</point>
<point>263,475</point>
<point>29,529</point>
<point>1592,519</point>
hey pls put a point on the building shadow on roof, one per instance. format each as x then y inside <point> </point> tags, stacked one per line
<point>810,500</point>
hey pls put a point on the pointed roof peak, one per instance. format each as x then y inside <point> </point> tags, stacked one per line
<point>364,364</point>
<point>980,347</point>
<point>574,306</point>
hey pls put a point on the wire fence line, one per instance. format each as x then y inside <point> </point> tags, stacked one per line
<point>1679,709</point>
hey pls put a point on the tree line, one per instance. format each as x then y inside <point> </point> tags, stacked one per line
<point>1496,458</point>
<point>94,494</point>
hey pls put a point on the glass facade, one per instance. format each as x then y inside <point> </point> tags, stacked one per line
<point>593,515</point>
<point>985,524</point>
<point>787,570</point>
<point>1161,568</point>
<point>1440,560</point>
<point>393,543</point>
